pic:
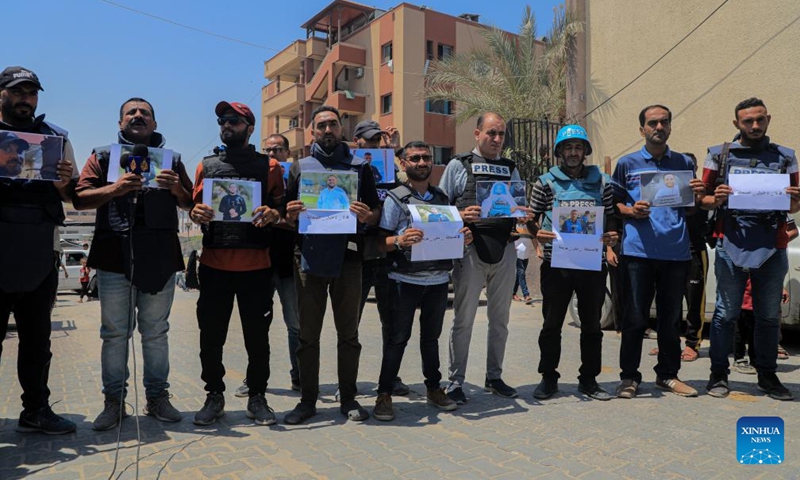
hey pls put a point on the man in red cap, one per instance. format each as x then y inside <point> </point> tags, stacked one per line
<point>235,264</point>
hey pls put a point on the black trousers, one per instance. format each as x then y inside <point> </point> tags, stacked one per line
<point>214,308</point>
<point>32,316</point>
<point>558,285</point>
<point>696,298</point>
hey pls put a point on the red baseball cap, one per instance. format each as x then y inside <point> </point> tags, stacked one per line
<point>237,107</point>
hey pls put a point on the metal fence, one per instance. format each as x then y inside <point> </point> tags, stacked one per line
<point>530,144</point>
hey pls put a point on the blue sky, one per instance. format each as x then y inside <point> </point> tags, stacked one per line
<point>91,56</point>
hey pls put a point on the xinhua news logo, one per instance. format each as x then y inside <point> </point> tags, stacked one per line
<point>759,441</point>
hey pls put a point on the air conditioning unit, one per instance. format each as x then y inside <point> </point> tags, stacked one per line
<point>359,72</point>
<point>390,64</point>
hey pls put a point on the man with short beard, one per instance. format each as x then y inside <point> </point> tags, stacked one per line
<point>30,213</point>
<point>11,150</point>
<point>750,244</point>
<point>330,264</point>
<point>413,284</point>
<point>236,264</point>
<point>655,249</point>
<point>147,227</point>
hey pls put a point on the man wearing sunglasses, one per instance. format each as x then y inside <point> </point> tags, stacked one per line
<point>413,284</point>
<point>281,256</point>
<point>30,214</point>
<point>236,264</point>
<point>148,227</point>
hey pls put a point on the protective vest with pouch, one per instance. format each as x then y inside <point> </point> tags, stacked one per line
<point>400,260</point>
<point>30,212</point>
<point>324,255</point>
<point>750,236</point>
<point>239,164</point>
<point>490,235</point>
<point>156,213</point>
<point>586,191</point>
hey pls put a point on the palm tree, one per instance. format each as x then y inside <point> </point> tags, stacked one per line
<point>515,76</point>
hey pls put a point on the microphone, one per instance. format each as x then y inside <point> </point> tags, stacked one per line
<point>134,163</point>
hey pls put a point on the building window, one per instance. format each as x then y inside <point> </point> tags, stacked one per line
<point>429,50</point>
<point>294,122</point>
<point>386,53</point>
<point>441,155</point>
<point>442,107</point>
<point>386,104</point>
<point>445,51</point>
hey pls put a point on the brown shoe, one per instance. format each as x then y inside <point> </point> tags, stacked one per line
<point>383,408</point>
<point>675,386</point>
<point>440,400</point>
<point>627,388</point>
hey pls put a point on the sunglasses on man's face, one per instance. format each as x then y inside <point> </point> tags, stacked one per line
<point>274,150</point>
<point>233,121</point>
<point>418,158</point>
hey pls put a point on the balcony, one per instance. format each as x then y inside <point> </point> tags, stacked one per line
<point>285,102</point>
<point>289,59</point>
<point>341,55</point>
<point>355,105</point>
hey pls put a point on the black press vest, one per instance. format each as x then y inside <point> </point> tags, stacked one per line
<point>400,260</point>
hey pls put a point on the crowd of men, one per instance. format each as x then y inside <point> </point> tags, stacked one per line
<point>137,253</point>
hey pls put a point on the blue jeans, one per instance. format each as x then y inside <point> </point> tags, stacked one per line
<point>667,279</point>
<point>522,266</point>
<point>152,317</point>
<point>406,298</point>
<point>287,292</point>
<point>767,288</point>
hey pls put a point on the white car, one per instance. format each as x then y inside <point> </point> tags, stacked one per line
<point>71,259</point>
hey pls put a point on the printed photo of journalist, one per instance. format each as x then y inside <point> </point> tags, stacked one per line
<point>233,200</point>
<point>328,190</point>
<point>577,222</point>
<point>29,155</point>
<point>149,167</point>
<point>501,199</point>
<point>433,214</point>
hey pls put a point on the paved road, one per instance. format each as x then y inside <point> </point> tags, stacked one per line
<point>657,435</point>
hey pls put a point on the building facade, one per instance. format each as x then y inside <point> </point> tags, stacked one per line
<point>743,49</point>
<point>370,64</point>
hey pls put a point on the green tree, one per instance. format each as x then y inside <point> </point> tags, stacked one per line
<point>516,76</point>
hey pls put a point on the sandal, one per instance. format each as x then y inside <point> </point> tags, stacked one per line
<point>689,354</point>
<point>782,353</point>
<point>528,300</point>
<point>516,298</point>
<point>654,351</point>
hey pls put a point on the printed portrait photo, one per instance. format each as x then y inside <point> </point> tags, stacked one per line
<point>29,155</point>
<point>435,213</point>
<point>578,220</point>
<point>668,189</point>
<point>232,200</point>
<point>329,190</point>
<point>157,159</point>
<point>501,199</point>
<point>381,162</point>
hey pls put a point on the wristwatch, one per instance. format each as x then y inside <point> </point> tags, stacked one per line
<point>397,243</point>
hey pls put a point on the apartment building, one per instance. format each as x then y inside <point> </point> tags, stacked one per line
<point>370,64</point>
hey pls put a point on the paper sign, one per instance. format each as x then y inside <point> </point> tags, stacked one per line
<point>578,244</point>
<point>326,222</point>
<point>501,199</point>
<point>442,239</point>
<point>232,200</point>
<point>329,189</point>
<point>759,191</point>
<point>158,159</point>
<point>30,156</point>
<point>668,189</point>
<point>381,162</point>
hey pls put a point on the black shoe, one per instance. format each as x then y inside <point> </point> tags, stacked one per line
<point>161,408</point>
<point>45,421</point>
<point>399,388</point>
<point>109,418</point>
<point>296,384</point>
<point>593,390</point>
<point>259,411</point>
<point>546,389</point>
<point>718,385</point>
<point>457,395</point>
<point>354,411</point>
<point>212,409</point>
<point>499,387</point>
<point>769,383</point>
<point>301,413</point>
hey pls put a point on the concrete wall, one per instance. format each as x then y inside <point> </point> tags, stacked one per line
<point>746,49</point>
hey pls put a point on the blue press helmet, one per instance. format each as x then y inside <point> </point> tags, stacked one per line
<point>569,132</point>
